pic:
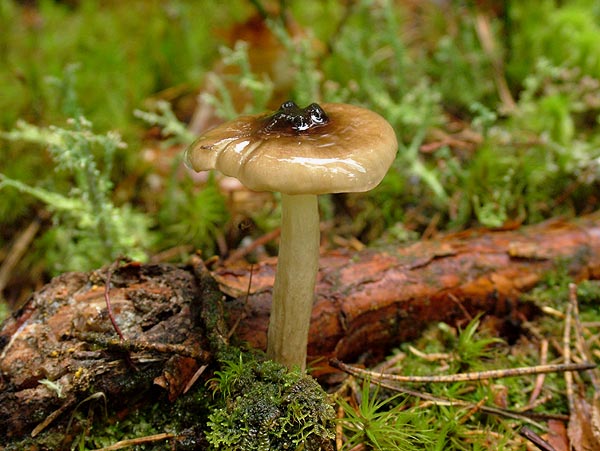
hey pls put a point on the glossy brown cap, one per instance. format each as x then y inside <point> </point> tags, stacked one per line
<point>350,153</point>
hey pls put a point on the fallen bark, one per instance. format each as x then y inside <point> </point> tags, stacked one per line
<point>371,300</point>
<point>61,348</point>
<point>366,302</point>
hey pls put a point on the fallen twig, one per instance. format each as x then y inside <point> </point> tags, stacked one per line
<point>525,417</point>
<point>580,343</point>
<point>130,345</point>
<point>566,350</point>
<point>484,32</point>
<point>539,380</point>
<point>17,250</point>
<point>261,241</point>
<point>464,377</point>
<point>111,316</point>
<point>536,439</point>
<point>137,441</point>
<point>53,416</point>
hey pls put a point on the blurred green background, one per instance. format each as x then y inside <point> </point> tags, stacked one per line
<point>495,105</point>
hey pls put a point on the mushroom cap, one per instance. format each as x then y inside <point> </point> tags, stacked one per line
<point>350,153</point>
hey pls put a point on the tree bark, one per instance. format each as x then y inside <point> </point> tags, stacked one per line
<point>366,302</point>
<point>371,300</point>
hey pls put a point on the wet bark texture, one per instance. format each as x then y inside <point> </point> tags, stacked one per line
<point>371,300</point>
<point>366,303</point>
<point>63,335</point>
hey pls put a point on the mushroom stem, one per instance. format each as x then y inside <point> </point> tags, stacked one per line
<point>294,288</point>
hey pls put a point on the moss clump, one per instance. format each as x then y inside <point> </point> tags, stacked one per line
<point>267,407</point>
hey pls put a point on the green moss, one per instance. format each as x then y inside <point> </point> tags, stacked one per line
<point>265,407</point>
<point>566,33</point>
<point>588,292</point>
<point>127,51</point>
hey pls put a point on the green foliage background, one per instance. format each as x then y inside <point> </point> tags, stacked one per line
<point>426,71</point>
<point>84,84</point>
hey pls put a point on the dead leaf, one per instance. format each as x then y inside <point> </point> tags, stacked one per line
<point>580,431</point>
<point>557,435</point>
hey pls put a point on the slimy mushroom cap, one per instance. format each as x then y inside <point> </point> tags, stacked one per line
<point>346,149</point>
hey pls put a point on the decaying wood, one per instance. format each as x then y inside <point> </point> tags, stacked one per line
<point>370,300</point>
<point>60,347</point>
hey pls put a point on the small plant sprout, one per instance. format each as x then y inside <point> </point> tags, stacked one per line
<point>301,153</point>
<point>55,387</point>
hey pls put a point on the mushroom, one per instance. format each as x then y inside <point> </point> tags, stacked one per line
<point>301,153</point>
